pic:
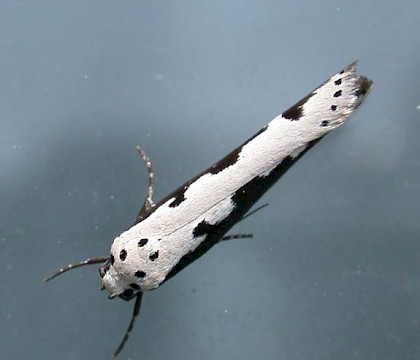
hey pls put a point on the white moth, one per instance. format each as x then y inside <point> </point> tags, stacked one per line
<point>169,235</point>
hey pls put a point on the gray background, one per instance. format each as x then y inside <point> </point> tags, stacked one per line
<point>333,271</point>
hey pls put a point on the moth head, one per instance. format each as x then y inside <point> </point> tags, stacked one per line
<point>116,282</point>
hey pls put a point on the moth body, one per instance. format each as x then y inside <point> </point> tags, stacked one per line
<point>168,236</point>
<point>203,209</point>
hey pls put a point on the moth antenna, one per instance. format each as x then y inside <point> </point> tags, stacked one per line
<point>148,204</point>
<point>136,311</point>
<point>88,261</point>
<point>246,235</point>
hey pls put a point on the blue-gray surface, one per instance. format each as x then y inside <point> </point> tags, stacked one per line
<point>333,271</point>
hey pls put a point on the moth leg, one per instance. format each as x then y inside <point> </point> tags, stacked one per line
<point>136,312</point>
<point>243,236</point>
<point>236,236</point>
<point>148,204</point>
<point>253,211</point>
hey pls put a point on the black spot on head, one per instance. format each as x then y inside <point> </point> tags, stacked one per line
<point>142,242</point>
<point>295,112</point>
<point>135,286</point>
<point>333,107</point>
<point>123,254</point>
<point>154,255</point>
<point>128,293</point>
<point>203,228</point>
<point>179,197</point>
<point>140,274</point>
<point>338,93</point>
<point>337,82</point>
<point>112,259</point>
<point>324,123</point>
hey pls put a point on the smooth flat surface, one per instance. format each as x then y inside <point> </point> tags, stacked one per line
<point>333,270</point>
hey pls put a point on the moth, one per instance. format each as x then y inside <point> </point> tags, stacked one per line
<point>169,235</point>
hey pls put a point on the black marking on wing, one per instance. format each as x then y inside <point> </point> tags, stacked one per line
<point>259,132</point>
<point>296,111</point>
<point>227,161</point>
<point>179,198</point>
<point>363,87</point>
<point>204,228</point>
<point>244,199</point>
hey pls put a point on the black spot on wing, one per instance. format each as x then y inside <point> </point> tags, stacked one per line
<point>227,161</point>
<point>363,86</point>
<point>256,134</point>
<point>204,228</point>
<point>296,111</point>
<point>179,197</point>
<point>233,156</point>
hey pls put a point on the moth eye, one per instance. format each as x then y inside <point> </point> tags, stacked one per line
<point>127,295</point>
<point>104,268</point>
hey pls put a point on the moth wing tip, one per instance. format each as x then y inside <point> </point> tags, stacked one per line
<point>352,67</point>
